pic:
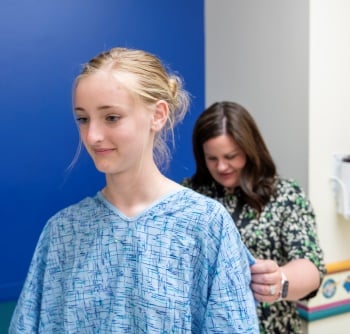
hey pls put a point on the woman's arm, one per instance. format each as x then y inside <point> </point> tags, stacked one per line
<point>302,275</point>
<point>298,250</point>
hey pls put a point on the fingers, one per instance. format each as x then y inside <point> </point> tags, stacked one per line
<point>272,289</point>
<point>265,272</point>
<point>266,281</point>
<point>264,266</point>
<point>266,292</point>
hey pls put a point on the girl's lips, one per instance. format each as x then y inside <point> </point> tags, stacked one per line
<point>103,150</point>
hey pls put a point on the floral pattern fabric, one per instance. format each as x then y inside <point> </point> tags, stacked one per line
<point>285,231</point>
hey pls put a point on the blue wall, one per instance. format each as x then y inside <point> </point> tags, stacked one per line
<point>43,44</point>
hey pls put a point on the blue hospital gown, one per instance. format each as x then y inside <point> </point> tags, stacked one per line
<point>177,267</point>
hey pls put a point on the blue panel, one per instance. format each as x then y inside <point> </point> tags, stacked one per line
<point>43,44</point>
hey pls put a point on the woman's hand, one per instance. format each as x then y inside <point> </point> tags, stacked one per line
<point>266,280</point>
<point>302,274</point>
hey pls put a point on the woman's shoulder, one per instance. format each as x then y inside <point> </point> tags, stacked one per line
<point>187,182</point>
<point>209,190</point>
<point>288,186</point>
<point>290,191</point>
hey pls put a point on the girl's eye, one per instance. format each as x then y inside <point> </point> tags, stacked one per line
<point>112,118</point>
<point>81,120</point>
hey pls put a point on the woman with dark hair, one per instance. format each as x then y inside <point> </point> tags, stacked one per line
<point>273,214</point>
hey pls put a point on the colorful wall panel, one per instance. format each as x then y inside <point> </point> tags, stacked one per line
<point>333,297</point>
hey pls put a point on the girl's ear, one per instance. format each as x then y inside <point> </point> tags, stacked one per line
<point>160,115</point>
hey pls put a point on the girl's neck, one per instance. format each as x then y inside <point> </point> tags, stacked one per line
<point>132,195</point>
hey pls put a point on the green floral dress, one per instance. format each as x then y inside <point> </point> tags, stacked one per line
<point>285,231</point>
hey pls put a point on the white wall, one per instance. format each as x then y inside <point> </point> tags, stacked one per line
<point>329,132</point>
<point>329,114</point>
<point>288,62</point>
<point>257,55</point>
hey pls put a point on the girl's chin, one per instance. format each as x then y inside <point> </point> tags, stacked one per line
<point>102,168</point>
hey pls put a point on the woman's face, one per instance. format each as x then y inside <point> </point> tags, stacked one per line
<point>225,160</point>
<point>115,128</point>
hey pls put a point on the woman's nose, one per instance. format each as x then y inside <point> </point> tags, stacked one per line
<point>222,165</point>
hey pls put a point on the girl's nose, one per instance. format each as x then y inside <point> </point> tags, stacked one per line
<point>94,133</point>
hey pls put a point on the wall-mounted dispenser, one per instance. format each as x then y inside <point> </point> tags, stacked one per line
<point>341,183</point>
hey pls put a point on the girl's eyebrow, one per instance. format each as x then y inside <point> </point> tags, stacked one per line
<point>103,107</point>
<point>106,107</point>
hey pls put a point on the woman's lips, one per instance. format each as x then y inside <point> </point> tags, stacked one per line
<point>226,175</point>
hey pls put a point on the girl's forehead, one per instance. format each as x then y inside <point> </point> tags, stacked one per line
<point>111,77</point>
<point>100,89</point>
<point>102,82</point>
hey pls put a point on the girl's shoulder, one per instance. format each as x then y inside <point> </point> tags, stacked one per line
<point>76,217</point>
<point>80,209</point>
<point>190,197</point>
<point>194,202</point>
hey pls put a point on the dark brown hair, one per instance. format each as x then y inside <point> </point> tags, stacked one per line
<point>257,180</point>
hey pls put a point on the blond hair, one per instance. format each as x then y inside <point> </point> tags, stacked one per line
<point>153,83</point>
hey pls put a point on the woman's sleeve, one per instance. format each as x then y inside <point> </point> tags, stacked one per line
<point>25,318</point>
<point>299,230</point>
<point>186,182</point>
<point>231,307</point>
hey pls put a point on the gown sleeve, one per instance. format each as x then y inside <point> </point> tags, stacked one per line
<point>26,315</point>
<point>231,307</point>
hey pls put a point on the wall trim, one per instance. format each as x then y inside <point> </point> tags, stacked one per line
<point>333,297</point>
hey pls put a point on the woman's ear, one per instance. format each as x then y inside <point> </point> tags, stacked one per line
<point>160,115</point>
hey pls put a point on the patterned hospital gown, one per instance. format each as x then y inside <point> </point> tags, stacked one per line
<point>285,231</point>
<point>178,267</point>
